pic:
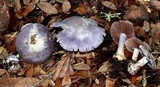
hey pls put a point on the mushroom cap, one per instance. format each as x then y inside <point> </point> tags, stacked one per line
<point>136,12</point>
<point>79,33</point>
<point>34,43</point>
<point>134,42</point>
<point>117,28</point>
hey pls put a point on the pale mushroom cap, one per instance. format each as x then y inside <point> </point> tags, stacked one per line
<point>134,42</point>
<point>34,43</point>
<point>79,33</point>
<point>125,27</point>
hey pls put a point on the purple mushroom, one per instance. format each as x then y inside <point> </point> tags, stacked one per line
<point>34,43</point>
<point>79,34</point>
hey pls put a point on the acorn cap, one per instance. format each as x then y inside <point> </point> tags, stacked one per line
<point>79,34</point>
<point>134,42</point>
<point>117,28</point>
<point>34,43</point>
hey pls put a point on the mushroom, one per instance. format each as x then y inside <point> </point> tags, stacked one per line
<point>120,31</point>
<point>136,12</point>
<point>34,43</point>
<point>134,67</point>
<point>134,42</point>
<point>79,34</point>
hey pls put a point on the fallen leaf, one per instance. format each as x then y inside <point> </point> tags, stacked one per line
<point>47,8</point>
<point>17,4</point>
<point>66,6</point>
<point>59,67</point>
<point>2,71</point>
<point>66,82</point>
<point>25,10</point>
<point>81,9</point>
<point>4,18</point>
<point>29,72</point>
<point>105,67</point>
<point>109,4</point>
<point>3,53</point>
<point>110,82</point>
<point>65,68</point>
<point>81,66</point>
<point>146,27</point>
<point>26,82</point>
<point>9,82</point>
<point>26,2</point>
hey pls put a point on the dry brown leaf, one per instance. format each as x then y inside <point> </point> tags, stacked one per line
<point>66,82</point>
<point>110,83</point>
<point>81,9</point>
<point>140,32</point>
<point>65,67</point>
<point>59,67</point>
<point>105,67</point>
<point>9,82</point>
<point>81,66</point>
<point>3,53</point>
<point>146,27</point>
<point>26,82</point>
<point>4,18</point>
<point>109,4</point>
<point>2,71</point>
<point>26,10</point>
<point>38,71</point>
<point>66,6</point>
<point>26,2</point>
<point>47,8</point>
<point>29,72</point>
<point>58,83</point>
<point>17,4</point>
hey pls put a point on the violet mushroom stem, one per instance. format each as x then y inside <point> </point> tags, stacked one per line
<point>134,67</point>
<point>120,50</point>
<point>135,54</point>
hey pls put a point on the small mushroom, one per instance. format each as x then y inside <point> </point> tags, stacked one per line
<point>134,67</point>
<point>134,42</point>
<point>34,43</point>
<point>120,31</point>
<point>136,12</point>
<point>79,34</point>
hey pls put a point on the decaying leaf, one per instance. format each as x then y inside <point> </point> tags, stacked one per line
<point>62,67</point>
<point>66,82</point>
<point>26,82</point>
<point>26,2</point>
<point>9,82</point>
<point>146,27</point>
<point>110,83</point>
<point>4,18</point>
<point>66,6</point>
<point>26,10</point>
<point>105,67</point>
<point>81,9</point>
<point>17,4</point>
<point>3,53</point>
<point>109,4</point>
<point>47,8</point>
<point>81,66</point>
<point>2,71</point>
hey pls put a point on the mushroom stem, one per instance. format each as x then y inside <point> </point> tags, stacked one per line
<point>134,67</point>
<point>135,54</point>
<point>120,50</point>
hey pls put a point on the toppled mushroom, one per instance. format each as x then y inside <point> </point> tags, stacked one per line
<point>120,31</point>
<point>34,43</point>
<point>134,67</point>
<point>134,42</point>
<point>79,33</point>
